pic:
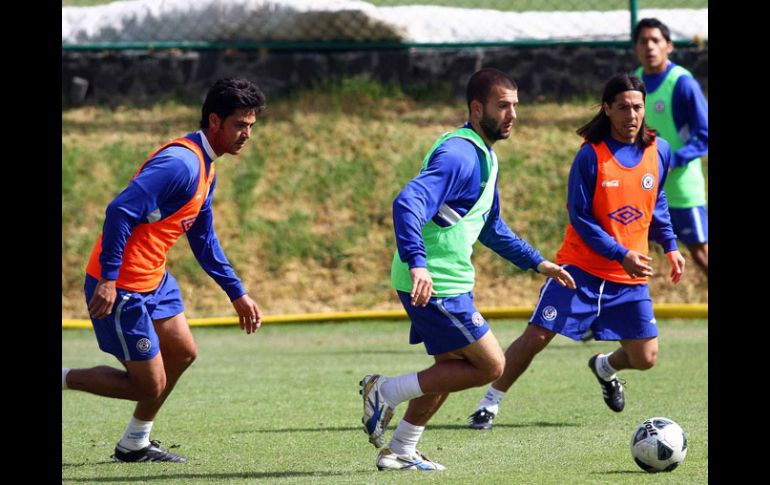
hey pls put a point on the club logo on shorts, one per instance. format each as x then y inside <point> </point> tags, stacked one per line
<point>648,181</point>
<point>549,313</point>
<point>143,345</point>
<point>477,319</point>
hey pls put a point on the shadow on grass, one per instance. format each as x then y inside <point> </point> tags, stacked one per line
<point>75,465</point>
<point>368,352</point>
<point>537,424</point>
<point>211,476</point>
<point>622,472</point>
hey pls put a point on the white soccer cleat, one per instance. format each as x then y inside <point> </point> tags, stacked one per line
<point>377,414</point>
<point>387,460</point>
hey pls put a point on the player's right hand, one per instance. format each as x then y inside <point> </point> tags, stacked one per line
<point>103,299</point>
<point>635,264</point>
<point>553,270</point>
<point>422,286</point>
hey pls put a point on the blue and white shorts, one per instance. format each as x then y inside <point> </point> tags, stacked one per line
<point>613,311</point>
<point>691,225</point>
<point>128,332</point>
<point>446,323</point>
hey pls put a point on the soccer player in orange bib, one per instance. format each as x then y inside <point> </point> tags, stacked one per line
<point>616,202</point>
<point>136,305</point>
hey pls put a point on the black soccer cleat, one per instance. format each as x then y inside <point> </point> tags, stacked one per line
<point>481,419</point>
<point>612,390</point>
<point>151,452</point>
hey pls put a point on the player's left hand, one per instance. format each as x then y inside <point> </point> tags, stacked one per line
<point>677,265</point>
<point>553,270</point>
<point>249,316</point>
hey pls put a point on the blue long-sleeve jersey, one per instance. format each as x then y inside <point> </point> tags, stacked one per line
<point>580,197</point>
<point>165,184</point>
<point>691,115</point>
<point>453,176</point>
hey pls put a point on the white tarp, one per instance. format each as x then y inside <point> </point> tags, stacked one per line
<point>350,20</point>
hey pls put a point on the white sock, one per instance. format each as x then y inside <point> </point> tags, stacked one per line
<point>64,372</point>
<point>137,435</point>
<point>396,390</point>
<point>603,367</point>
<point>405,438</point>
<point>491,400</point>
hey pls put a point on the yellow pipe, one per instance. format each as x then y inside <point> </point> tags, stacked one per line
<point>662,310</point>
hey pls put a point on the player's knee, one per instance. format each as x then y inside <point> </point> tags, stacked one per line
<point>536,339</point>
<point>150,389</point>
<point>646,360</point>
<point>190,355</point>
<point>183,357</point>
<point>493,370</point>
<point>497,372</point>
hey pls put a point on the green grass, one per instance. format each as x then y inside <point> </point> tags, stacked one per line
<point>282,407</point>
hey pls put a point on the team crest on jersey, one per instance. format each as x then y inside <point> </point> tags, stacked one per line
<point>648,181</point>
<point>549,313</point>
<point>143,345</point>
<point>660,106</point>
<point>625,215</point>
<point>477,319</point>
<point>187,223</point>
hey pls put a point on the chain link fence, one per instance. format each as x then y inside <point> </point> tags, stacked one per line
<point>330,24</point>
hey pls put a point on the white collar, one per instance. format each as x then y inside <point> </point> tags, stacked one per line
<point>207,146</point>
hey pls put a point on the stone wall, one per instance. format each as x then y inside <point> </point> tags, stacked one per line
<point>546,73</point>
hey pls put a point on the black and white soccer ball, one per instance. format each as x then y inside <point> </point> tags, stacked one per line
<point>658,445</point>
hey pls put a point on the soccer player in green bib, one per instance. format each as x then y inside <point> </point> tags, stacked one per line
<point>437,217</point>
<point>678,111</point>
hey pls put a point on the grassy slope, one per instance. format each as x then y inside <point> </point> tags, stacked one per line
<point>304,214</point>
<point>282,407</point>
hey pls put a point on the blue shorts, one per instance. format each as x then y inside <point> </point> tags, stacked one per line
<point>691,225</point>
<point>128,332</point>
<point>614,311</point>
<point>446,323</point>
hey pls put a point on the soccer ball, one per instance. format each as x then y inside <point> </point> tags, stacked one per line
<point>658,445</point>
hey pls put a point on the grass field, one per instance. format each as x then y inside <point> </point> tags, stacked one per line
<point>282,407</point>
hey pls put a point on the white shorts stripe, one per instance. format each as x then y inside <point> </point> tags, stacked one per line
<point>698,224</point>
<point>118,330</point>
<point>457,323</point>
<point>599,300</point>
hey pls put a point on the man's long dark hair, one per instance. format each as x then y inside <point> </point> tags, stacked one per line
<point>598,128</point>
<point>228,95</point>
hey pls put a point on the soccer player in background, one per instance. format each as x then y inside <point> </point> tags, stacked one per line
<point>136,305</point>
<point>437,218</point>
<point>616,202</point>
<point>678,111</point>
